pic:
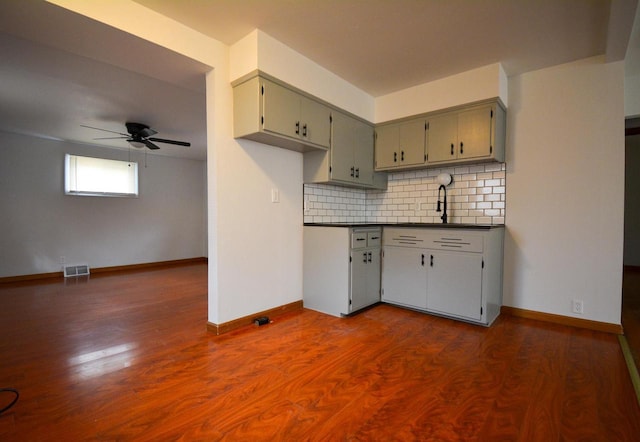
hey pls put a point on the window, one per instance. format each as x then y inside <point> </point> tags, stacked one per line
<point>99,177</point>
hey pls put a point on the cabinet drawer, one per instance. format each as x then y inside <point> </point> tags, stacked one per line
<point>358,240</point>
<point>405,237</point>
<point>373,239</point>
<point>456,242</point>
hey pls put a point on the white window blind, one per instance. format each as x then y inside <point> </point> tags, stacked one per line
<point>100,177</point>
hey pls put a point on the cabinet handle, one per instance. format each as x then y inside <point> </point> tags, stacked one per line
<point>297,128</point>
<point>369,256</point>
<point>461,147</point>
<point>375,237</point>
<point>451,148</point>
<point>352,171</point>
<point>431,263</point>
<point>357,172</point>
<point>423,260</point>
<point>395,157</point>
<point>365,257</point>
<point>304,130</point>
<point>402,156</point>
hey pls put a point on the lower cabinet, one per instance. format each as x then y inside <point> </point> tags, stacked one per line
<point>341,268</point>
<point>405,277</point>
<point>453,272</point>
<point>454,284</point>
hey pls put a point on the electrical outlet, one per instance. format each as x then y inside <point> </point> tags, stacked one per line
<point>577,306</point>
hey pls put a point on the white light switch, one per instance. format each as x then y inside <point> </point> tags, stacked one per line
<point>275,196</point>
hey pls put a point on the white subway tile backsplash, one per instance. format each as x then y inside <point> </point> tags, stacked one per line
<point>476,196</point>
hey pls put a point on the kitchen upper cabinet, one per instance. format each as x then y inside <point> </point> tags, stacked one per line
<point>349,160</point>
<point>469,135</point>
<point>271,113</point>
<point>401,145</point>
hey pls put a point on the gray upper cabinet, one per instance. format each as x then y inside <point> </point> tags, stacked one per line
<point>468,135</point>
<point>401,145</point>
<point>350,157</point>
<point>270,113</point>
<point>473,133</point>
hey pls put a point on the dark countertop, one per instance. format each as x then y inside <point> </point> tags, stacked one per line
<point>414,225</point>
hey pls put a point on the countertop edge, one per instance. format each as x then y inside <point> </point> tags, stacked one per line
<point>411,225</point>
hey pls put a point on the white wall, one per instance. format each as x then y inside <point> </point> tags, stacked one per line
<point>261,51</point>
<point>474,85</point>
<point>39,224</point>
<point>565,174</point>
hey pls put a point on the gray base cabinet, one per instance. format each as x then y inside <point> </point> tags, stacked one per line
<point>341,268</point>
<point>450,272</point>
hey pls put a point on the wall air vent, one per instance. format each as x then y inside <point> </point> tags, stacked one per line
<point>76,270</point>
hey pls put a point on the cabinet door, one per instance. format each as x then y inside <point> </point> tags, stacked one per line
<point>442,138</point>
<point>281,110</point>
<point>404,276</point>
<point>359,277</point>
<point>455,283</point>
<point>412,143</point>
<point>363,152</point>
<point>315,122</point>
<point>474,133</point>
<point>342,140</point>
<point>386,152</point>
<point>373,277</point>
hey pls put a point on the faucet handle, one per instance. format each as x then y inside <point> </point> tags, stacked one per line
<point>438,207</point>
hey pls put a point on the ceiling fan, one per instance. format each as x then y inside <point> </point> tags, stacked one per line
<point>139,135</point>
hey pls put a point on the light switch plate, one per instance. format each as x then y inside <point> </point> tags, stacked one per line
<point>275,196</point>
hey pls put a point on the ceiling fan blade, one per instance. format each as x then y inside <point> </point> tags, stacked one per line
<point>150,145</point>
<point>105,130</point>
<point>110,138</point>
<point>178,143</point>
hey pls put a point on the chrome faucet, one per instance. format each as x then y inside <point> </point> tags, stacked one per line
<point>444,215</point>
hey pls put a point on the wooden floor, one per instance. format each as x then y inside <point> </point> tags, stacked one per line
<point>128,358</point>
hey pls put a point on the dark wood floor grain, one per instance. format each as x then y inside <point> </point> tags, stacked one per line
<point>127,357</point>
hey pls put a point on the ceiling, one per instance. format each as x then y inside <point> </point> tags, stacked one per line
<point>61,70</point>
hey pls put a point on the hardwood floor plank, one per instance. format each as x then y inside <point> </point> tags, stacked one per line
<point>128,357</point>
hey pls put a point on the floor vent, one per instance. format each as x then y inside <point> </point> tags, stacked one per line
<point>77,270</point>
